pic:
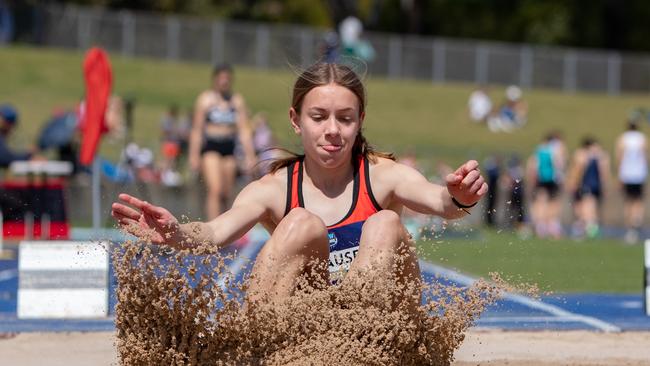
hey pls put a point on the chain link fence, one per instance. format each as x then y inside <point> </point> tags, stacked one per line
<point>276,46</point>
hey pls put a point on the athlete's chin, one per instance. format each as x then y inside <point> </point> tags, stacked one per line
<point>334,160</point>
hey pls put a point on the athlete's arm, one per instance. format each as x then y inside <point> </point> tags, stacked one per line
<point>244,131</point>
<point>159,226</point>
<point>198,119</point>
<point>413,190</point>
<point>576,170</point>
<point>619,152</point>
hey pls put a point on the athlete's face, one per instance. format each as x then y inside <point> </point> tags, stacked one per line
<point>222,82</point>
<point>328,124</point>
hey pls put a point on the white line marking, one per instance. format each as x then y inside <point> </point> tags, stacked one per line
<point>238,264</point>
<point>534,304</point>
<point>530,319</point>
<point>8,274</point>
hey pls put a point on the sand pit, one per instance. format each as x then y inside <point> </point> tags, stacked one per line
<point>480,348</point>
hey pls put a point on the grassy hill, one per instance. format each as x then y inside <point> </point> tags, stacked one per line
<point>401,114</point>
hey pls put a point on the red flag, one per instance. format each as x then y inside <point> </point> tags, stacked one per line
<point>99,79</point>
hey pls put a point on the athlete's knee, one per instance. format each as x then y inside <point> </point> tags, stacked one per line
<point>301,227</point>
<point>385,227</point>
<point>384,220</point>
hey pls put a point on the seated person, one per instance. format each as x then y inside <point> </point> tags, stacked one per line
<point>8,120</point>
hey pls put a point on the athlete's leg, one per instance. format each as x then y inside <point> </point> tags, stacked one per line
<point>298,246</point>
<point>386,248</point>
<point>636,213</point>
<point>228,172</point>
<point>211,168</point>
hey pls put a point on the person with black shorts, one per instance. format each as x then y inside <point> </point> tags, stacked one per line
<point>588,179</point>
<point>220,121</point>
<point>631,156</point>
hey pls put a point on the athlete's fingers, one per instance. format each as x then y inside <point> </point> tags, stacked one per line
<point>125,211</point>
<point>453,179</point>
<point>131,200</point>
<point>469,179</point>
<point>483,190</point>
<point>478,183</point>
<point>467,167</point>
<point>155,211</point>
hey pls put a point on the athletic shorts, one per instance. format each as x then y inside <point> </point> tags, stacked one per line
<point>225,146</point>
<point>551,188</point>
<point>633,191</point>
<point>585,190</point>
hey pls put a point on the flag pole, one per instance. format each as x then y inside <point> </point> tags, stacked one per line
<point>96,194</point>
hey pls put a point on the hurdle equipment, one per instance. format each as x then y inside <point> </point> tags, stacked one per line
<point>63,279</point>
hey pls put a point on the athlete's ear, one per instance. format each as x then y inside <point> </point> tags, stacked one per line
<point>361,119</point>
<point>295,121</point>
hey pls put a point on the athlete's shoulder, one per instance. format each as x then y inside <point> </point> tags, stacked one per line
<point>388,169</point>
<point>268,188</point>
<point>205,97</point>
<point>238,99</point>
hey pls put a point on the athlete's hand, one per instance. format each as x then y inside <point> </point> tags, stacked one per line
<point>146,221</point>
<point>466,184</point>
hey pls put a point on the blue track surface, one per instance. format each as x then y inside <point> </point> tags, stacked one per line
<point>604,312</point>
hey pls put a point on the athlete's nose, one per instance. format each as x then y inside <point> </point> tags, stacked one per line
<point>332,128</point>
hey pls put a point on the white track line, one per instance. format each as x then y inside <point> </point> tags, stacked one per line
<point>531,303</point>
<point>238,264</point>
<point>8,274</point>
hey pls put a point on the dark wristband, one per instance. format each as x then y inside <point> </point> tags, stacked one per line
<point>461,206</point>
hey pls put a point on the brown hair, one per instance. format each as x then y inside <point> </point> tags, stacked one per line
<point>320,74</point>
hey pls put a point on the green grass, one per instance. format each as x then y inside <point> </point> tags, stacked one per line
<point>558,266</point>
<point>401,114</point>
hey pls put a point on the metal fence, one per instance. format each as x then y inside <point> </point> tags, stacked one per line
<point>275,46</point>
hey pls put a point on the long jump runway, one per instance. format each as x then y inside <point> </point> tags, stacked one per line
<point>598,312</point>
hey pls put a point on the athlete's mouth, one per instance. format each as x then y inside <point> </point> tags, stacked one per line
<point>331,148</point>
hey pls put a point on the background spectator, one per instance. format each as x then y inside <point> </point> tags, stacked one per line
<point>8,121</point>
<point>588,179</point>
<point>479,105</point>
<point>631,159</point>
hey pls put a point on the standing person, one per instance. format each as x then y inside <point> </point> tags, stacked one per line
<point>220,118</point>
<point>339,203</point>
<point>544,173</point>
<point>513,181</point>
<point>631,159</point>
<point>493,170</point>
<point>588,180</point>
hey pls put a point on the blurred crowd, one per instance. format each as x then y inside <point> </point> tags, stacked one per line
<point>535,190</point>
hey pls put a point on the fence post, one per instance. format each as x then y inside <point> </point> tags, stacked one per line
<point>217,43</point>
<point>394,57</point>
<point>569,80</point>
<point>614,73</point>
<point>173,38</point>
<point>262,37</point>
<point>306,47</point>
<point>481,64</point>
<point>439,56</point>
<point>84,27</point>
<point>128,33</point>
<point>526,67</point>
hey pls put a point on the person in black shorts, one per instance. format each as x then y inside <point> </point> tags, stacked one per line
<point>588,179</point>
<point>220,119</point>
